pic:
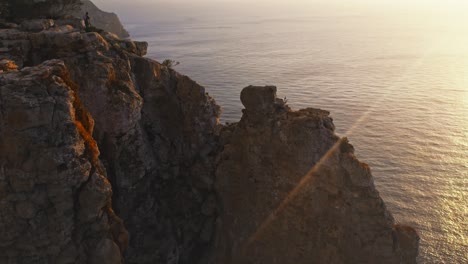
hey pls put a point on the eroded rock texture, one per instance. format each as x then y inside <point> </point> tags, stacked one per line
<point>54,196</point>
<point>79,110</point>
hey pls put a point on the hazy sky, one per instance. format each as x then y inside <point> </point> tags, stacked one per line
<point>246,3</point>
<point>130,10</point>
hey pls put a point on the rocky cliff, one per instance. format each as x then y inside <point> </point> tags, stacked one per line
<point>97,142</point>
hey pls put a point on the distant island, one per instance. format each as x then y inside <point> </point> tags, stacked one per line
<point>107,156</point>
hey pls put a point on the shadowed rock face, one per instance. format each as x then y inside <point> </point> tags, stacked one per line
<point>293,192</point>
<point>81,110</point>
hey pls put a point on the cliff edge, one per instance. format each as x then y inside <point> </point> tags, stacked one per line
<point>110,157</point>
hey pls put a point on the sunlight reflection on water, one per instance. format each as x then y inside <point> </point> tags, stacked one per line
<point>407,85</point>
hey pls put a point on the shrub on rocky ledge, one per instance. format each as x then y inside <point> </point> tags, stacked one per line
<point>170,63</point>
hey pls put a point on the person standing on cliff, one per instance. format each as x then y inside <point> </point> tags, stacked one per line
<point>87,21</point>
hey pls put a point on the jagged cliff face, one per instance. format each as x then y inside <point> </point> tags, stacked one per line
<point>85,110</point>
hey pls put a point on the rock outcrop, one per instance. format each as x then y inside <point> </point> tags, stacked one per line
<point>104,20</point>
<point>293,192</point>
<point>93,135</point>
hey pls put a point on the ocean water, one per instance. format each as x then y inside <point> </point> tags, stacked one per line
<point>398,89</point>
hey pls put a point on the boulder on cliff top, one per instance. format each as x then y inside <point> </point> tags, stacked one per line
<point>75,22</point>
<point>259,98</point>
<point>8,65</point>
<point>36,25</point>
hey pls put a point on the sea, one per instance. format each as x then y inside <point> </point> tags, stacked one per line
<point>396,87</point>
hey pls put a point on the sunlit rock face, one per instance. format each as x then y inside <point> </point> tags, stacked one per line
<point>54,195</point>
<point>293,192</point>
<point>80,112</point>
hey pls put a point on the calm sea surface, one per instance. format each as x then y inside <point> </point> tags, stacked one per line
<point>398,90</point>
